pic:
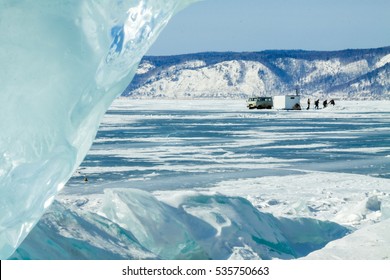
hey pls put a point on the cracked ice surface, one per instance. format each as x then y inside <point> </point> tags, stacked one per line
<point>63,62</point>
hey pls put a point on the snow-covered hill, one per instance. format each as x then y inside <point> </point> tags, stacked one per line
<point>352,74</point>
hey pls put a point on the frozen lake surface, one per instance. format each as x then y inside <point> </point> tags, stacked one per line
<point>211,179</point>
<point>170,143</point>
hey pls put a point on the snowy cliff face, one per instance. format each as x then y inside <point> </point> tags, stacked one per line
<point>356,74</point>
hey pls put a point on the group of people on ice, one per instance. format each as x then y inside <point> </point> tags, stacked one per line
<point>317,103</point>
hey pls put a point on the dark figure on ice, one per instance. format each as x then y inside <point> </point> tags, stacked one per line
<point>308,104</point>
<point>316,103</point>
<point>332,102</point>
<point>325,103</point>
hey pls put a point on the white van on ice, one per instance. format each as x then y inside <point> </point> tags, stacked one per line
<point>259,103</point>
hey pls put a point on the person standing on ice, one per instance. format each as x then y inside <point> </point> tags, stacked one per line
<point>308,104</point>
<point>325,103</point>
<point>316,103</point>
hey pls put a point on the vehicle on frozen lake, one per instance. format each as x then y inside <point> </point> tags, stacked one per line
<point>259,103</point>
<point>280,102</point>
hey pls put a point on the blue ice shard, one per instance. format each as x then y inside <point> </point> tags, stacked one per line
<point>62,64</point>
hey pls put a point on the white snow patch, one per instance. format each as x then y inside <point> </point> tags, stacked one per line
<point>347,199</point>
<point>369,243</point>
<point>383,61</point>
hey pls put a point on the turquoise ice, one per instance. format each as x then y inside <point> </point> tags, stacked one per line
<point>62,64</point>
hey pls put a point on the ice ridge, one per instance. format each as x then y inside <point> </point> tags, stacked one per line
<point>134,224</point>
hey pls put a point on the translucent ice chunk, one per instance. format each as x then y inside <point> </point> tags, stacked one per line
<point>62,64</point>
<point>134,224</point>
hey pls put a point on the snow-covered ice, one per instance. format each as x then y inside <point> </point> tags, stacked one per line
<point>207,179</point>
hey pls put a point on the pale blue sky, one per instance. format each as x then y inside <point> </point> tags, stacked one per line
<point>255,25</point>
